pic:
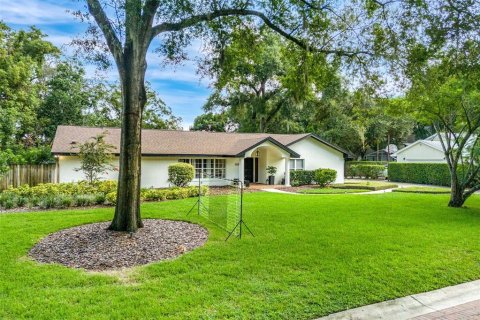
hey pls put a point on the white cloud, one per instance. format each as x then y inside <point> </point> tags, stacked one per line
<point>34,12</point>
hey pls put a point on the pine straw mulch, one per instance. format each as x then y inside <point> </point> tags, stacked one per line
<point>94,248</point>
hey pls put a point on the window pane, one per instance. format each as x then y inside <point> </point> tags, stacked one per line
<point>219,163</point>
<point>300,165</point>
<point>292,164</point>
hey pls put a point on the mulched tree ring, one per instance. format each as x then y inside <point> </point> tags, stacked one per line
<point>92,247</point>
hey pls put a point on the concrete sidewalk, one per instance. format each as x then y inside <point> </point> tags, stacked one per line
<point>456,302</point>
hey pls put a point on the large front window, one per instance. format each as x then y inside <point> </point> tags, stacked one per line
<point>297,164</point>
<point>208,168</point>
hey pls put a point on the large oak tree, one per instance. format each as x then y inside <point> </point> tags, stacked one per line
<point>129,27</point>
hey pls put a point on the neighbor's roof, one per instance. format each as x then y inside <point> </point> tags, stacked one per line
<point>175,143</point>
<point>434,144</point>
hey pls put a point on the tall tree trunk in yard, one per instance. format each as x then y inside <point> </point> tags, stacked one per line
<point>127,211</point>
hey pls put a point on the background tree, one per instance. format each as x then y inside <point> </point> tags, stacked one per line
<point>66,98</point>
<point>209,121</point>
<point>437,47</point>
<point>135,23</point>
<point>450,100</point>
<point>105,109</point>
<point>96,157</point>
<point>23,55</point>
<point>263,82</point>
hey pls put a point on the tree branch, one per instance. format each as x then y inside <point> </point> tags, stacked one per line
<point>114,45</point>
<point>148,15</point>
<point>193,20</point>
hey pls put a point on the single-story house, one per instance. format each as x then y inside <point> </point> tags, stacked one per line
<point>427,150</point>
<point>215,155</point>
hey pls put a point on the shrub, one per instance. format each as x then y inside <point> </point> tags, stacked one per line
<point>324,177</point>
<point>352,169</point>
<point>84,200</point>
<point>47,202</point>
<point>21,201</point>
<point>421,173</point>
<point>301,177</point>
<point>271,170</point>
<point>63,201</point>
<point>111,198</point>
<point>180,174</point>
<point>154,194</point>
<point>99,198</point>
<point>106,186</point>
<point>369,171</point>
<point>9,203</point>
<point>82,194</point>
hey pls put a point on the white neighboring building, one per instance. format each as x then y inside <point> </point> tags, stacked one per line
<point>427,150</point>
<point>220,155</point>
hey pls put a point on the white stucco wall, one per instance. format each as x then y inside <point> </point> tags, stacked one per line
<point>318,155</point>
<point>154,171</point>
<point>420,153</point>
<point>68,170</point>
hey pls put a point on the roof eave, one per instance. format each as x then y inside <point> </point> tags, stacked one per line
<point>292,153</point>
<point>318,138</point>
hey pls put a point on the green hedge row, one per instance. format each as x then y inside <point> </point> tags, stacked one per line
<point>422,173</point>
<point>368,171</point>
<point>349,163</point>
<point>365,169</point>
<point>301,177</point>
<point>320,176</point>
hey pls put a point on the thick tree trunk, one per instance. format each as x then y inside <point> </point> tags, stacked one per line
<point>457,197</point>
<point>127,211</point>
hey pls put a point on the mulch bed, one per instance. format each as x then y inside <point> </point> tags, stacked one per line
<point>297,189</point>
<point>92,247</point>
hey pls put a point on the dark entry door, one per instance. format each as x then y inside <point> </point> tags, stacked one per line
<point>248,169</point>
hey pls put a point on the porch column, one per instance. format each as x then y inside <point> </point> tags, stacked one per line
<point>241,169</point>
<point>287,171</point>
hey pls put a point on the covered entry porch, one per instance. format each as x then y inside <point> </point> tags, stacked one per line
<point>255,161</point>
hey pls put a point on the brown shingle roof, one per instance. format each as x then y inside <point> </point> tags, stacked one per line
<point>169,142</point>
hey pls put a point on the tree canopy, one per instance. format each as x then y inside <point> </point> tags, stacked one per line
<point>41,88</point>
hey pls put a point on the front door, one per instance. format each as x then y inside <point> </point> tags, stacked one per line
<point>248,169</point>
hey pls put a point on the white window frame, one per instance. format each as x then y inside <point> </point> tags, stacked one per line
<point>208,168</point>
<point>295,167</point>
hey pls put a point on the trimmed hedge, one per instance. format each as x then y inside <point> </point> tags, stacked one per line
<point>348,163</point>
<point>324,177</point>
<point>181,174</point>
<point>421,173</point>
<point>301,177</point>
<point>368,171</point>
<point>307,177</point>
<point>365,169</point>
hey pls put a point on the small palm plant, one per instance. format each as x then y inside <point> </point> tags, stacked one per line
<point>271,170</point>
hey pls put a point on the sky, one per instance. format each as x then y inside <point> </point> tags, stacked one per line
<point>179,86</point>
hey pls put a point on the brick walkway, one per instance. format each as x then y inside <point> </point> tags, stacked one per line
<point>467,311</point>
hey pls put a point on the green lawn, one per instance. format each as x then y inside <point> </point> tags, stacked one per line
<point>331,191</point>
<point>311,256</point>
